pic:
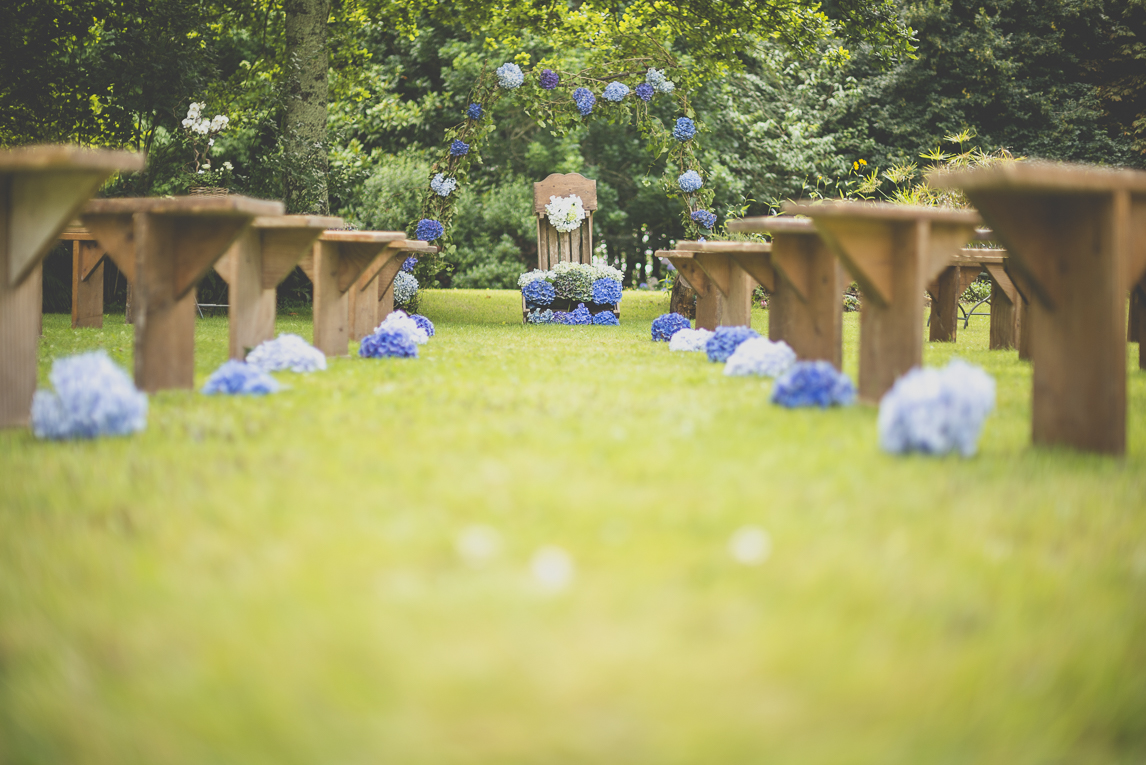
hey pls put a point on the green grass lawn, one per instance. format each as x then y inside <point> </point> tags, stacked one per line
<point>277,580</point>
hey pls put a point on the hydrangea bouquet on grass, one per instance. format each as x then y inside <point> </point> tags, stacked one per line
<point>761,357</point>
<point>690,340</point>
<point>91,397</point>
<point>813,383</point>
<point>667,325</point>
<point>287,353</point>
<point>936,411</point>
<point>238,378</point>
<point>399,321</point>
<point>726,340</point>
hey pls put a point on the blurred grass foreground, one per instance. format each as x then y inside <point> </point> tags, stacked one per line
<point>563,545</point>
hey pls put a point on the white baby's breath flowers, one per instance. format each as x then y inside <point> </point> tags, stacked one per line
<point>478,544</point>
<point>750,545</point>
<point>565,213</point>
<point>552,568</point>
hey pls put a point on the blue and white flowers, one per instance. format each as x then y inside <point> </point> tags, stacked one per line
<point>690,340</point>
<point>91,397</point>
<point>428,230</point>
<point>936,411</point>
<point>399,321</point>
<point>660,83</point>
<point>585,100</point>
<point>813,383</point>
<point>240,378</point>
<point>704,218</point>
<point>538,293</point>
<point>425,324</point>
<point>690,181</point>
<point>565,213</point>
<point>474,111</point>
<point>667,325</point>
<point>405,288</point>
<point>684,129</point>
<point>510,76</point>
<point>388,343</point>
<point>537,316</point>
<point>726,340</point>
<point>534,275</point>
<point>615,91</point>
<point>287,353</point>
<point>606,292</point>
<point>442,185</point>
<point>760,356</point>
<point>459,148</point>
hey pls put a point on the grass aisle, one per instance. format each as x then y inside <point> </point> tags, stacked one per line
<point>277,580</point>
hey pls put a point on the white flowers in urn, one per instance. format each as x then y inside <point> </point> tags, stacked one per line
<point>565,213</point>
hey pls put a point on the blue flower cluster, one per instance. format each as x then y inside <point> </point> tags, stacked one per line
<point>549,79</point>
<point>442,185</point>
<point>91,397</point>
<point>936,411</point>
<point>606,319</point>
<point>475,112</point>
<point>667,325</point>
<point>579,315</point>
<point>424,324</point>
<point>585,100</point>
<point>539,292</point>
<point>725,341</point>
<point>405,288</point>
<point>240,378</point>
<point>813,383</point>
<point>287,353</point>
<point>510,76</point>
<point>537,316</point>
<point>606,292</point>
<point>657,79</point>
<point>459,148</point>
<point>704,218</point>
<point>615,91</point>
<point>384,342</point>
<point>689,181</point>
<point>645,92</point>
<point>428,230</point>
<point>409,263</point>
<point>684,129</point>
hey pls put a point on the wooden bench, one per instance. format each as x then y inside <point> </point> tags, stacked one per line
<point>41,190</point>
<point>1076,236</point>
<point>893,252</point>
<point>254,266</point>
<point>806,308</point>
<point>723,275</point>
<point>709,300</point>
<point>164,246</point>
<point>87,277</point>
<point>336,260</point>
<point>372,297</point>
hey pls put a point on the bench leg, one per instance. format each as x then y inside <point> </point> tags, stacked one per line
<point>87,291</point>
<point>945,306</point>
<point>813,328</point>
<point>1004,319</point>
<point>1137,322</point>
<point>738,305</point>
<point>19,345</point>
<point>250,308</point>
<point>331,305</point>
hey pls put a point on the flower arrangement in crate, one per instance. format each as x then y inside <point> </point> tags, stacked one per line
<point>571,293</point>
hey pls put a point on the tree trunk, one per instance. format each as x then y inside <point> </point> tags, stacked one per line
<point>304,139</point>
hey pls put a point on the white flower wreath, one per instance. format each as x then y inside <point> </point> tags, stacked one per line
<point>565,213</point>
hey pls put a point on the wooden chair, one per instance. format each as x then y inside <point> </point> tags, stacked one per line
<point>41,190</point>
<point>553,246</point>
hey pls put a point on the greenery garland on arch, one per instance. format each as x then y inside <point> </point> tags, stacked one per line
<point>559,101</point>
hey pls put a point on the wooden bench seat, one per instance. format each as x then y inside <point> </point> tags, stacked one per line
<point>41,190</point>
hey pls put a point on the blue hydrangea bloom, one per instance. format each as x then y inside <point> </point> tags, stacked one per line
<point>428,230</point>
<point>475,112</point>
<point>606,292</point>
<point>585,100</point>
<point>510,76</point>
<point>561,317</point>
<point>580,315</point>
<point>384,342</point>
<point>409,263</point>
<point>813,383</point>
<point>91,397</point>
<point>689,181</point>
<point>443,186</point>
<point>459,148</point>
<point>667,325</point>
<point>240,378</point>
<point>684,129</point>
<point>425,324</point>
<point>704,218</point>
<point>606,319</point>
<point>549,79</point>
<point>936,411</point>
<point>539,292</point>
<point>615,91</point>
<point>645,91</point>
<point>287,353</point>
<point>725,340</point>
<point>537,316</point>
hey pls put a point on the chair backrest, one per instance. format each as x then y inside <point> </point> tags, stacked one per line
<point>552,245</point>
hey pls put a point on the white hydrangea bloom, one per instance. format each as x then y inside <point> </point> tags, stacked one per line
<point>565,213</point>
<point>401,321</point>
<point>691,340</point>
<point>535,275</point>
<point>287,352</point>
<point>760,356</point>
<point>936,411</point>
